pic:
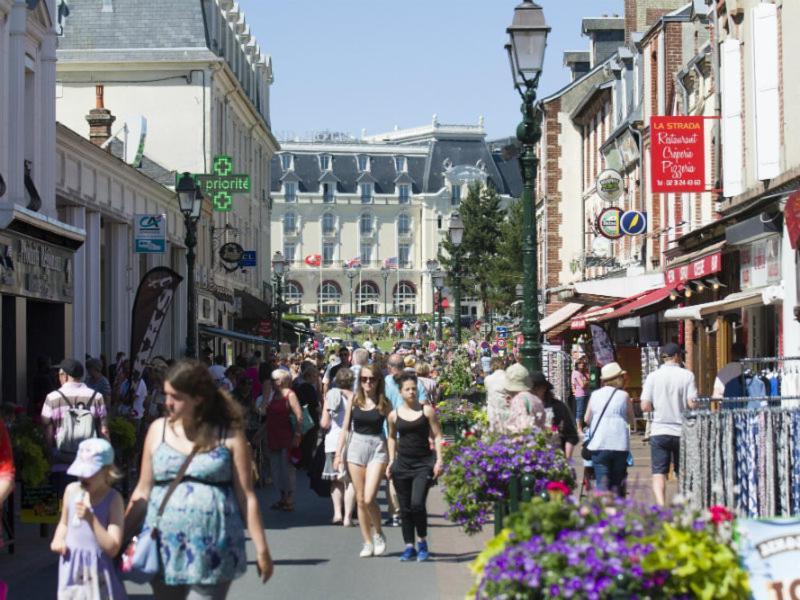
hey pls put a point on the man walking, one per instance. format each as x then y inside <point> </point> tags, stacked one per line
<point>667,393</point>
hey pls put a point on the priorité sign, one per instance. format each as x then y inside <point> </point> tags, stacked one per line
<point>222,183</point>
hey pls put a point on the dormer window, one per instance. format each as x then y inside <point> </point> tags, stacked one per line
<point>400,164</point>
<point>404,193</point>
<point>327,192</point>
<point>455,194</point>
<point>287,162</point>
<point>366,192</point>
<point>363,163</point>
<point>325,162</point>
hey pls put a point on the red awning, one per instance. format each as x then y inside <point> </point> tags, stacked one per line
<point>636,303</point>
<point>593,313</point>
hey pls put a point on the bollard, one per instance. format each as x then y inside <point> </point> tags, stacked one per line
<point>513,495</point>
<point>527,487</point>
<point>498,517</point>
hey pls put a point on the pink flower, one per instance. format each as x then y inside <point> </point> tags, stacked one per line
<point>445,443</point>
<point>720,514</point>
<point>558,486</point>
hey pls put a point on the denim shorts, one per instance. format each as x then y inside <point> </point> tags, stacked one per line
<point>664,449</point>
<point>367,449</point>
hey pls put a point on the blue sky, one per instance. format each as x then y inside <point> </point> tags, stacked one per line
<point>348,65</point>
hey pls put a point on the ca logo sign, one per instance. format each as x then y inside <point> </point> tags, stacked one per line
<point>150,222</point>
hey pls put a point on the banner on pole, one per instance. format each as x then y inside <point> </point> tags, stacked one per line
<point>153,299</point>
<point>678,154</point>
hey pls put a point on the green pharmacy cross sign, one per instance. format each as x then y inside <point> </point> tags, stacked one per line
<point>222,183</point>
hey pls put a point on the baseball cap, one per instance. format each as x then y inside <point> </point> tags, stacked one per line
<point>71,367</point>
<point>670,349</point>
<point>93,455</point>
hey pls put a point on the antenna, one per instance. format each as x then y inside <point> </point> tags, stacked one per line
<point>133,139</point>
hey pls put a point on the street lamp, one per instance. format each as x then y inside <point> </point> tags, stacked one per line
<point>279,267</point>
<point>438,283</point>
<point>456,237</point>
<point>385,272</point>
<point>526,47</point>
<point>190,201</point>
<point>352,273</point>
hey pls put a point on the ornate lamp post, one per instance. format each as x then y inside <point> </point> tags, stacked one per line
<point>352,273</point>
<point>385,272</point>
<point>190,200</point>
<point>526,47</point>
<point>438,283</point>
<point>279,268</point>
<point>456,234</point>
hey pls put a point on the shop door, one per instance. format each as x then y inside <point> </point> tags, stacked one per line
<point>45,334</point>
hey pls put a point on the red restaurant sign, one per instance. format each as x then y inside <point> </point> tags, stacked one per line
<point>702,267</point>
<point>791,215</point>
<point>678,154</point>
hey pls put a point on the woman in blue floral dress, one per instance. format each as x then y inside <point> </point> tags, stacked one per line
<point>202,528</point>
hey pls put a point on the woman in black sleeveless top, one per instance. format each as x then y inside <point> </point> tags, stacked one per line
<point>413,464</point>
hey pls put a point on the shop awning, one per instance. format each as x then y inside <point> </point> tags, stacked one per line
<point>558,317</point>
<point>592,314</point>
<point>236,335</point>
<point>637,303</point>
<point>756,297</point>
<point>619,287</point>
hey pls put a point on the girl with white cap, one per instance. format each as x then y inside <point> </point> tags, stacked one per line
<point>89,534</point>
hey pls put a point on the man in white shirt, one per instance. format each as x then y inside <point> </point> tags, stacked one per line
<point>667,393</point>
<point>497,398</point>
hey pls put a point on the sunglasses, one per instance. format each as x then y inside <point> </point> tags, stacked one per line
<point>368,379</point>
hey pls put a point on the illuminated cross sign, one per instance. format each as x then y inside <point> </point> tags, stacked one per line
<point>223,183</point>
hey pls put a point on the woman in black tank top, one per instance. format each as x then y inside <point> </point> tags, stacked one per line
<point>413,464</point>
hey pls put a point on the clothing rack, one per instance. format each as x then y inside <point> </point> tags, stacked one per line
<point>741,456</point>
<point>557,367</point>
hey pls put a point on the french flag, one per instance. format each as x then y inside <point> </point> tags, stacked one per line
<point>313,260</point>
<point>352,263</point>
<point>390,263</point>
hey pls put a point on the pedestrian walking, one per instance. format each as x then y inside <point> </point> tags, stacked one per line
<point>89,533</point>
<point>366,455</point>
<point>667,393</point>
<point>559,415</point>
<point>338,398</point>
<point>282,437</point>
<point>202,542</point>
<point>413,465</point>
<point>429,384</point>
<point>609,414</point>
<point>497,399</point>
<point>96,380</point>
<point>307,388</point>
<point>580,389</point>
<point>526,410</point>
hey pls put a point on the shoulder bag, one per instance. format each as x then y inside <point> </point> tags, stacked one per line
<point>586,454</point>
<point>140,562</point>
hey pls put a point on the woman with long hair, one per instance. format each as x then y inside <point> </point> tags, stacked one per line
<point>335,404</point>
<point>366,454</point>
<point>202,543</point>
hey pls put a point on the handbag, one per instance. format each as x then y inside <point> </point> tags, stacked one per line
<point>141,560</point>
<point>307,424</point>
<point>586,454</point>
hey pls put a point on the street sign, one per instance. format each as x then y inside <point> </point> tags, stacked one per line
<point>231,253</point>
<point>222,183</point>
<point>150,233</point>
<point>609,185</point>
<point>264,328</point>
<point>248,259</point>
<point>608,223</point>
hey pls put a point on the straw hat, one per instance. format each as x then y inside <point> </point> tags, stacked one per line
<point>611,371</point>
<point>517,378</point>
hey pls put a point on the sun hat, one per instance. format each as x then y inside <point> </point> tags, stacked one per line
<point>409,361</point>
<point>611,371</point>
<point>93,455</point>
<point>517,378</point>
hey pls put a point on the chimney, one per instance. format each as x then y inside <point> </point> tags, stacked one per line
<point>100,119</point>
<point>640,16</point>
<point>579,63</point>
<point>607,34</point>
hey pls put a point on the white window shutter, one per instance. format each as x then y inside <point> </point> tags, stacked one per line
<point>765,90</point>
<point>731,63</point>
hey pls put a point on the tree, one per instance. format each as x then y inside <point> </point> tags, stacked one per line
<point>509,267</point>
<point>483,217</point>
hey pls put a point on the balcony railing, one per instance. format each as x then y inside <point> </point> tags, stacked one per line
<point>372,265</point>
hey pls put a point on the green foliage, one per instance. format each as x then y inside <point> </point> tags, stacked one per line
<point>123,436</point>
<point>456,378</point>
<point>700,563</point>
<point>508,266</point>
<point>29,460</point>
<point>483,216</point>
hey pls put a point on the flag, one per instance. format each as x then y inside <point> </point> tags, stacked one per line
<point>353,262</point>
<point>313,260</point>
<point>390,263</point>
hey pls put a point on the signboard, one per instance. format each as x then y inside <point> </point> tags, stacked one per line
<point>760,263</point>
<point>770,552</point>
<point>609,185</point>
<point>222,183</point>
<point>633,222</point>
<point>602,345</point>
<point>702,267</point>
<point>231,253</point>
<point>40,504</point>
<point>35,269</point>
<point>677,161</point>
<point>150,234</point>
<point>608,223</point>
<point>791,216</point>
<point>248,259</point>
<point>264,328</point>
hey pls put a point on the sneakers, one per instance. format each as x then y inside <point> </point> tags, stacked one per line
<point>367,550</point>
<point>380,544</point>
<point>422,551</point>
<point>395,521</point>
<point>409,553</point>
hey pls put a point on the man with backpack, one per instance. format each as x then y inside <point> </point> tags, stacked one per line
<point>71,414</point>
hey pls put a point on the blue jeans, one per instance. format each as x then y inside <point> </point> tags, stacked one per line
<point>610,469</point>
